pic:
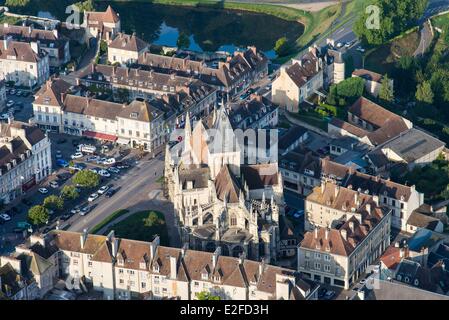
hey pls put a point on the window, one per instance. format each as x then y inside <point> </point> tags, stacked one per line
<point>120,271</point>
<point>317,266</point>
<point>317,255</point>
<point>121,281</point>
<point>327,268</point>
<point>75,262</point>
<point>196,284</point>
<point>327,257</point>
<point>143,285</point>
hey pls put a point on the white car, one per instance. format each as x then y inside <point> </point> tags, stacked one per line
<point>103,189</point>
<point>76,155</point>
<point>359,48</point>
<point>54,184</point>
<point>339,45</point>
<point>104,173</point>
<point>5,217</point>
<point>43,190</point>
<point>109,161</point>
<point>92,197</point>
<point>10,103</point>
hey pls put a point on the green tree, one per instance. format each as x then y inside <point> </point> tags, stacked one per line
<point>17,3</point>
<point>86,179</point>
<point>351,88</point>
<point>205,295</point>
<point>183,41</point>
<point>69,192</point>
<point>386,91</point>
<point>87,5</point>
<point>103,47</point>
<point>424,93</point>
<point>152,220</point>
<point>282,47</point>
<point>53,203</point>
<point>38,215</point>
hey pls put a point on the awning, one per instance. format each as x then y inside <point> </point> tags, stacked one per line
<point>122,141</point>
<point>99,136</point>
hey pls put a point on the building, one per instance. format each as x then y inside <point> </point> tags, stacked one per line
<point>220,200</point>
<point>423,218</point>
<point>373,81</point>
<point>299,81</point>
<point>25,158</point>
<point>130,269</point>
<point>346,232</point>
<point>232,76</point>
<point>257,113</point>
<point>49,41</point>
<point>101,25</point>
<point>12,285</point>
<point>335,67</point>
<point>413,148</point>
<point>24,64</point>
<point>125,49</point>
<point>292,139</point>
<point>369,123</point>
<point>133,83</point>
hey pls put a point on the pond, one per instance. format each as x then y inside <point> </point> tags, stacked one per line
<point>209,29</point>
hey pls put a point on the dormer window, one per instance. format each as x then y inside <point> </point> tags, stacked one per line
<point>204,276</point>
<point>134,115</point>
<point>143,265</point>
<point>120,261</point>
<point>217,278</point>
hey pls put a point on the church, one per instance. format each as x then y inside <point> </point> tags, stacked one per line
<point>219,200</point>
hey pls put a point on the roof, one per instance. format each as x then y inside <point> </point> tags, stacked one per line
<point>227,186</point>
<point>350,128</point>
<point>367,75</point>
<point>304,69</point>
<point>108,16</point>
<point>198,176</point>
<point>260,175</point>
<point>49,38</point>
<point>372,113</point>
<point>92,107</point>
<point>10,280</point>
<point>420,220</point>
<point>128,42</point>
<point>293,135</point>
<point>52,92</point>
<point>387,290</point>
<point>413,145</point>
<point>140,111</point>
<point>20,51</point>
<point>391,257</point>
<point>247,114</point>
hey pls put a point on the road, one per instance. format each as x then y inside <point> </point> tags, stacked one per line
<point>138,190</point>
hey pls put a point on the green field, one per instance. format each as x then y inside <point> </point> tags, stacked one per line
<point>441,21</point>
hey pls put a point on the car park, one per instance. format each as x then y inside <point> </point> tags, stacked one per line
<point>84,211</point>
<point>103,189</point>
<point>92,197</point>
<point>77,155</point>
<point>43,190</point>
<point>54,184</point>
<point>5,217</point>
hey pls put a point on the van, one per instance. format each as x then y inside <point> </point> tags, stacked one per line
<point>88,149</point>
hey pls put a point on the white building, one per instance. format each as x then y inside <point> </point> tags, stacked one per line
<point>25,159</point>
<point>26,64</point>
<point>126,49</point>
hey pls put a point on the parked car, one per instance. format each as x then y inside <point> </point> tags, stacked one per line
<point>329,295</point>
<point>43,190</point>
<point>65,217</point>
<point>75,210</point>
<point>84,211</point>
<point>104,173</point>
<point>5,217</point>
<point>62,163</point>
<point>9,104</point>
<point>109,161</point>
<point>321,293</point>
<point>92,197</point>
<point>88,149</point>
<point>78,166</point>
<point>58,154</point>
<point>12,91</point>
<point>76,155</point>
<point>110,193</point>
<point>114,170</point>
<point>298,214</point>
<point>92,158</point>
<point>54,184</point>
<point>100,160</point>
<point>103,189</point>
<point>360,49</point>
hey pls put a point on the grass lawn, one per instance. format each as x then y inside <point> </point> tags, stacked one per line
<point>108,219</point>
<point>140,227</point>
<point>312,118</point>
<point>441,21</point>
<point>383,58</point>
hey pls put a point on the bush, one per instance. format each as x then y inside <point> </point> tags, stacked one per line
<point>69,192</point>
<point>53,203</point>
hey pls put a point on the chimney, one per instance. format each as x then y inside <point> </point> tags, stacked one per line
<point>356,198</point>
<point>396,245</point>
<point>316,232</point>
<point>351,225</point>
<point>6,43</point>
<point>401,252</point>
<point>368,208</point>
<point>62,97</point>
<point>344,234</point>
<point>323,186</point>
<point>55,32</point>
<point>83,238</point>
<point>326,234</point>
<point>215,256</point>
<point>114,247</point>
<point>35,47</point>
<point>173,267</point>
<point>261,267</point>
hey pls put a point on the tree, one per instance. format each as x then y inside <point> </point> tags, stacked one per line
<point>86,178</point>
<point>183,41</point>
<point>205,295</point>
<point>87,5</point>
<point>69,192</point>
<point>424,93</point>
<point>386,91</point>
<point>282,47</point>
<point>152,220</point>
<point>351,87</point>
<point>17,3</point>
<point>38,215</point>
<point>53,203</point>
